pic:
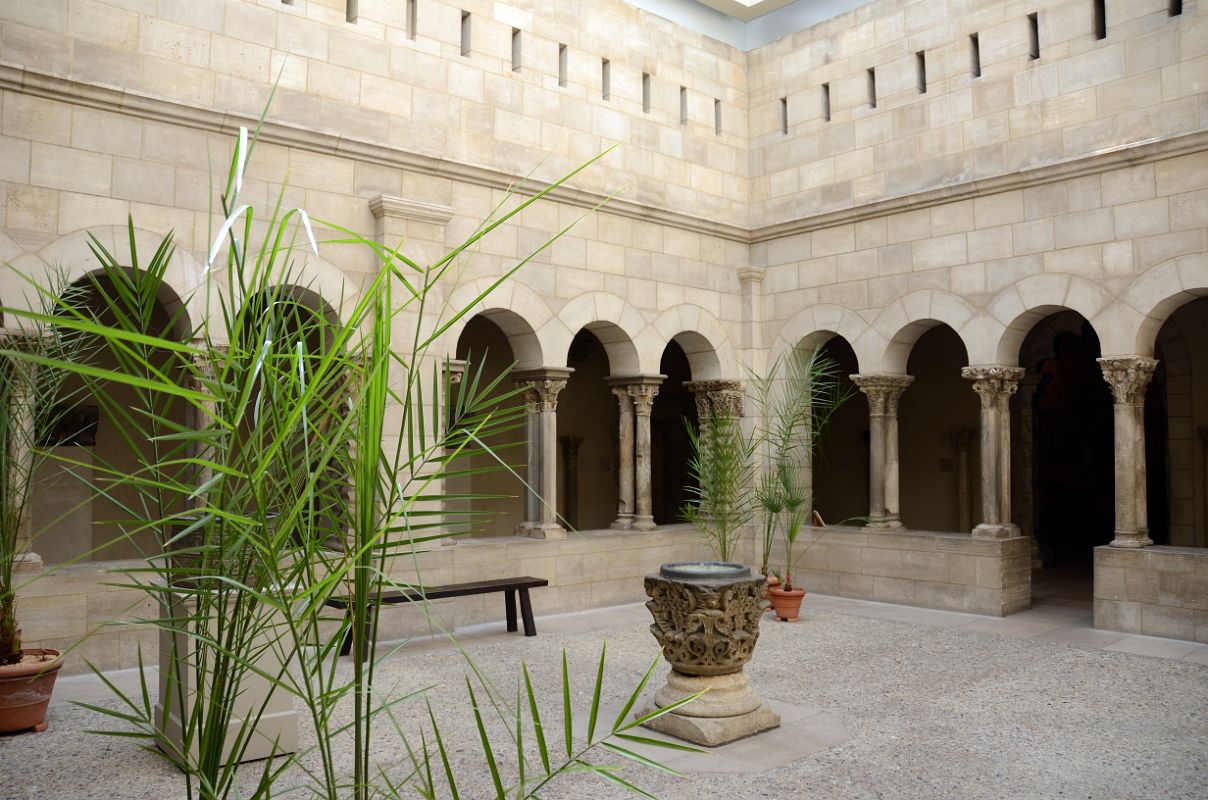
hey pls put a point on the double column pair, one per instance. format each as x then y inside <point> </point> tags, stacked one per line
<point>636,399</point>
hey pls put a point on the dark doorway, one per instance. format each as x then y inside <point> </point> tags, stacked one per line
<point>841,460</point>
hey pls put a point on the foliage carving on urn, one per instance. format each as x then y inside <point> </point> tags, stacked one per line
<point>706,628</point>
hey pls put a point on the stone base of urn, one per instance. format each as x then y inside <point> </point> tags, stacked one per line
<point>729,709</point>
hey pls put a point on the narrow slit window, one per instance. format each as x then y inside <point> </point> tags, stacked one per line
<point>920,60</point>
<point>683,105</point>
<point>605,78</point>
<point>975,56</point>
<point>515,49</point>
<point>465,33</point>
<point>826,101</point>
<point>646,92</point>
<point>784,115</point>
<point>562,65</point>
<point>350,11</point>
<point>717,117</point>
<point>1033,37</point>
<point>872,87</point>
<point>1100,20</point>
<point>1175,8</point>
<point>411,18</point>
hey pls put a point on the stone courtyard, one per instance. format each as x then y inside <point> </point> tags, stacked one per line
<point>898,702</point>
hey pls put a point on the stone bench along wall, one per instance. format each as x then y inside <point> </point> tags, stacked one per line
<point>1157,591</point>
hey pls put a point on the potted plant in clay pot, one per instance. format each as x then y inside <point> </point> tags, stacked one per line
<point>795,399</point>
<point>33,414</point>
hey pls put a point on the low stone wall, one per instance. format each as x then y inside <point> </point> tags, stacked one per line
<point>951,571</point>
<point>69,608</point>
<point>1157,591</point>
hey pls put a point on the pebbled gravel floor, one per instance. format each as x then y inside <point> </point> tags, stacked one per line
<point>932,713</point>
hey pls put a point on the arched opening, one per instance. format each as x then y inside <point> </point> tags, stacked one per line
<point>499,510</point>
<point>1176,430</point>
<point>587,438</point>
<point>671,448</point>
<point>939,418</point>
<point>72,521</point>
<point>1063,461</point>
<point>841,460</point>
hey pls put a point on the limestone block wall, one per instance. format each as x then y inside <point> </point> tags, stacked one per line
<point>384,79</point>
<point>1079,96</point>
<point>935,570</point>
<point>1157,591</point>
<point>73,608</point>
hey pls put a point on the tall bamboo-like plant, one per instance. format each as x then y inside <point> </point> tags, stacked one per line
<point>33,410</point>
<point>720,504</point>
<point>796,399</point>
<point>312,470</point>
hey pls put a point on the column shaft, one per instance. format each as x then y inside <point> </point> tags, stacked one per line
<point>624,520</point>
<point>542,387</point>
<point>643,395</point>
<point>883,393</point>
<point>994,386</point>
<point>1128,377</point>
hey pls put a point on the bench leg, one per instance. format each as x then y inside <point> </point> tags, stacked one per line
<point>526,609</point>
<point>509,601</point>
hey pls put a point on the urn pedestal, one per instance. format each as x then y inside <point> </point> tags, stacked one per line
<point>706,618</point>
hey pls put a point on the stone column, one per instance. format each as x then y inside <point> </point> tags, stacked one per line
<point>1128,377</point>
<point>24,438</point>
<point>570,476</point>
<point>995,385</point>
<point>541,388</point>
<point>883,393</point>
<point>643,395</point>
<point>963,438</point>
<point>624,520</point>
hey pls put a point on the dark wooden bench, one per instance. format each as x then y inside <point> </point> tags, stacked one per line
<point>509,587</point>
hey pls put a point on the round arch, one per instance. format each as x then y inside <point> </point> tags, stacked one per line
<point>1020,306</point>
<point>902,322</point>
<point>816,325</point>
<point>703,339</point>
<point>516,309</point>
<point>1147,303</point>
<point>611,320</point>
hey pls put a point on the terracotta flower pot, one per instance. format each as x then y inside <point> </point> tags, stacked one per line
<point>25,690</point>
<point>786,603</point>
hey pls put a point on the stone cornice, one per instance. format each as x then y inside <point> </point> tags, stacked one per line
<point>402,208</point>
<point>137,104</point>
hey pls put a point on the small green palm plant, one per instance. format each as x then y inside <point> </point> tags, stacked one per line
<point>722,469</point>
<point>312,468</point>
<point>795,399</point>
<point>35,407</point>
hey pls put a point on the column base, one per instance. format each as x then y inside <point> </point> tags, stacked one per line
<point>623,523</point>
<point>27,562</point>
<point>643,524</point>
<point>884,523</point>
<point>1131,539</point>
<point>545,531</point>
<point>995,530</point>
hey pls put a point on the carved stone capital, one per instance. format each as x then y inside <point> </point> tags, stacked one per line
<point>1128,376</point>
<point>883,391</point>
<point>706,627</point>
<point>993,384</point>
<point>643,395</point>
<point>455,369</point>
<point>723,397</point>
<point>541,387</point>
<point>748,275</point>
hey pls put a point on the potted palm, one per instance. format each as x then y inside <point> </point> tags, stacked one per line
<point>33,411</point>
<point>795,399</point>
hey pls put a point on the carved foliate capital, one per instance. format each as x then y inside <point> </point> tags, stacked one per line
<point>643,395</point>
<point>993,384</point>
<point>623,398</point>
<point>541,394</point>
<point>1128,377</point>
<point>724,397</point>
<point>883,391</point>
<point>455,370</point>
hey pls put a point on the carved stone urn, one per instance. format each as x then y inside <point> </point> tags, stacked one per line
<point>706,619</point>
